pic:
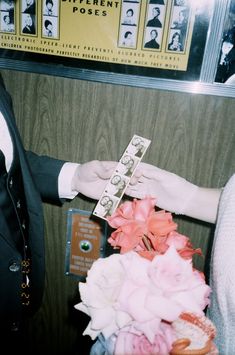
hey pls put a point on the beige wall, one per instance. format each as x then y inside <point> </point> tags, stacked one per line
<point>192,135</point>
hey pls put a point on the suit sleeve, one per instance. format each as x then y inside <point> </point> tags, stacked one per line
<point>45,171</point>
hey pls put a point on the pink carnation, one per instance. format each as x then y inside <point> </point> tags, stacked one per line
<point>138,219</point>
<point>141,229</point>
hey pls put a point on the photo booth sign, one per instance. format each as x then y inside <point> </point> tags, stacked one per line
<point>165,44</point>
<point>155,34</point>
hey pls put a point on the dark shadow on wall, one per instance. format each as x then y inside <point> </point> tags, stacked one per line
<point>79,321</point>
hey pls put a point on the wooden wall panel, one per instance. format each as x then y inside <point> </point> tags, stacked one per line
<point>192,135</point>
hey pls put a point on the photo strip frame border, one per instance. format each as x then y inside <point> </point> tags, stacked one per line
<point>121,177</point>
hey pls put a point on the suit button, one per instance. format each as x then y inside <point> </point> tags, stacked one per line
<point>14,267</point>
<point>18,204</point>
<point>11,182</point>
<point>23,225</point>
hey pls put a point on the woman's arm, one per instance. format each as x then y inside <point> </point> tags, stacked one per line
<point>204,204</point>
<point>174,193</point>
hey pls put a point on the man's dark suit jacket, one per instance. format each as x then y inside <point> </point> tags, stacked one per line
<point>40,178</point>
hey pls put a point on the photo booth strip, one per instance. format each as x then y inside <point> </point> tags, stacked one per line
<point>121,177</point>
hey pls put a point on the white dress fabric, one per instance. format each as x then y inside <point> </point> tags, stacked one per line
<point>222,274</point>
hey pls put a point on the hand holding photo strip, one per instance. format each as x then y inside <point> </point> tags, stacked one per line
<point>120,179</point>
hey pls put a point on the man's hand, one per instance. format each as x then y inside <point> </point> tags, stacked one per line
<point>91,178</point>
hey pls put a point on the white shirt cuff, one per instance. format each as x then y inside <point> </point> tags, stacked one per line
<point>65,181</point>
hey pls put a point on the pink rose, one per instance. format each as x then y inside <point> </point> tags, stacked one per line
<point>131,344</point>
<point>160,289</point>
<point>99,295</point>
<point>177,279</point>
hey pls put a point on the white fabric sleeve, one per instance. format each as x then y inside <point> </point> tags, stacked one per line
<point>65,181</point>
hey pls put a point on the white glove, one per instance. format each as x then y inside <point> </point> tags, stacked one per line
<point>172,192</point>
<point>91,178</point>
<point>175,194</point>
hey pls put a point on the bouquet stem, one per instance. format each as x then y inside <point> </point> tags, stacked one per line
<point>146,242</point>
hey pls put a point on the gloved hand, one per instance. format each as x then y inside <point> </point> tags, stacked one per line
<point>173,193</point>
<point>91,178</point>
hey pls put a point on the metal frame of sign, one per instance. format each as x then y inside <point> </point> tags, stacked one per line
<point>86,242</point>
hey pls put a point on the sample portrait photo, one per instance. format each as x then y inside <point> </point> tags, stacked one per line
<point>155,16</point>
<point>180,21</point>
<point>117,185</point>
<point>137,146</point>
<point>49,27</point>
<point>174,42</point>
<point>225,72</point>
<point>130,14</point>
<point>129,17</point>
<point>152,39</point>
<point>50,8</point>
<point>128,36</point>
<point>28,24</point>
<point>6,22</point>
<point>106,206</point>
<point>127,165</point>
<point>29,6</point>
<point>7,5</point>
<point>226,65</point>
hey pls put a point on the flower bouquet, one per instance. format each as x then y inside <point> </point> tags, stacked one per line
<point>147,299</point>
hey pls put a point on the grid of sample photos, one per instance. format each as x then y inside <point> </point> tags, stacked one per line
<point>28,17</point>
<point>155,25</point>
